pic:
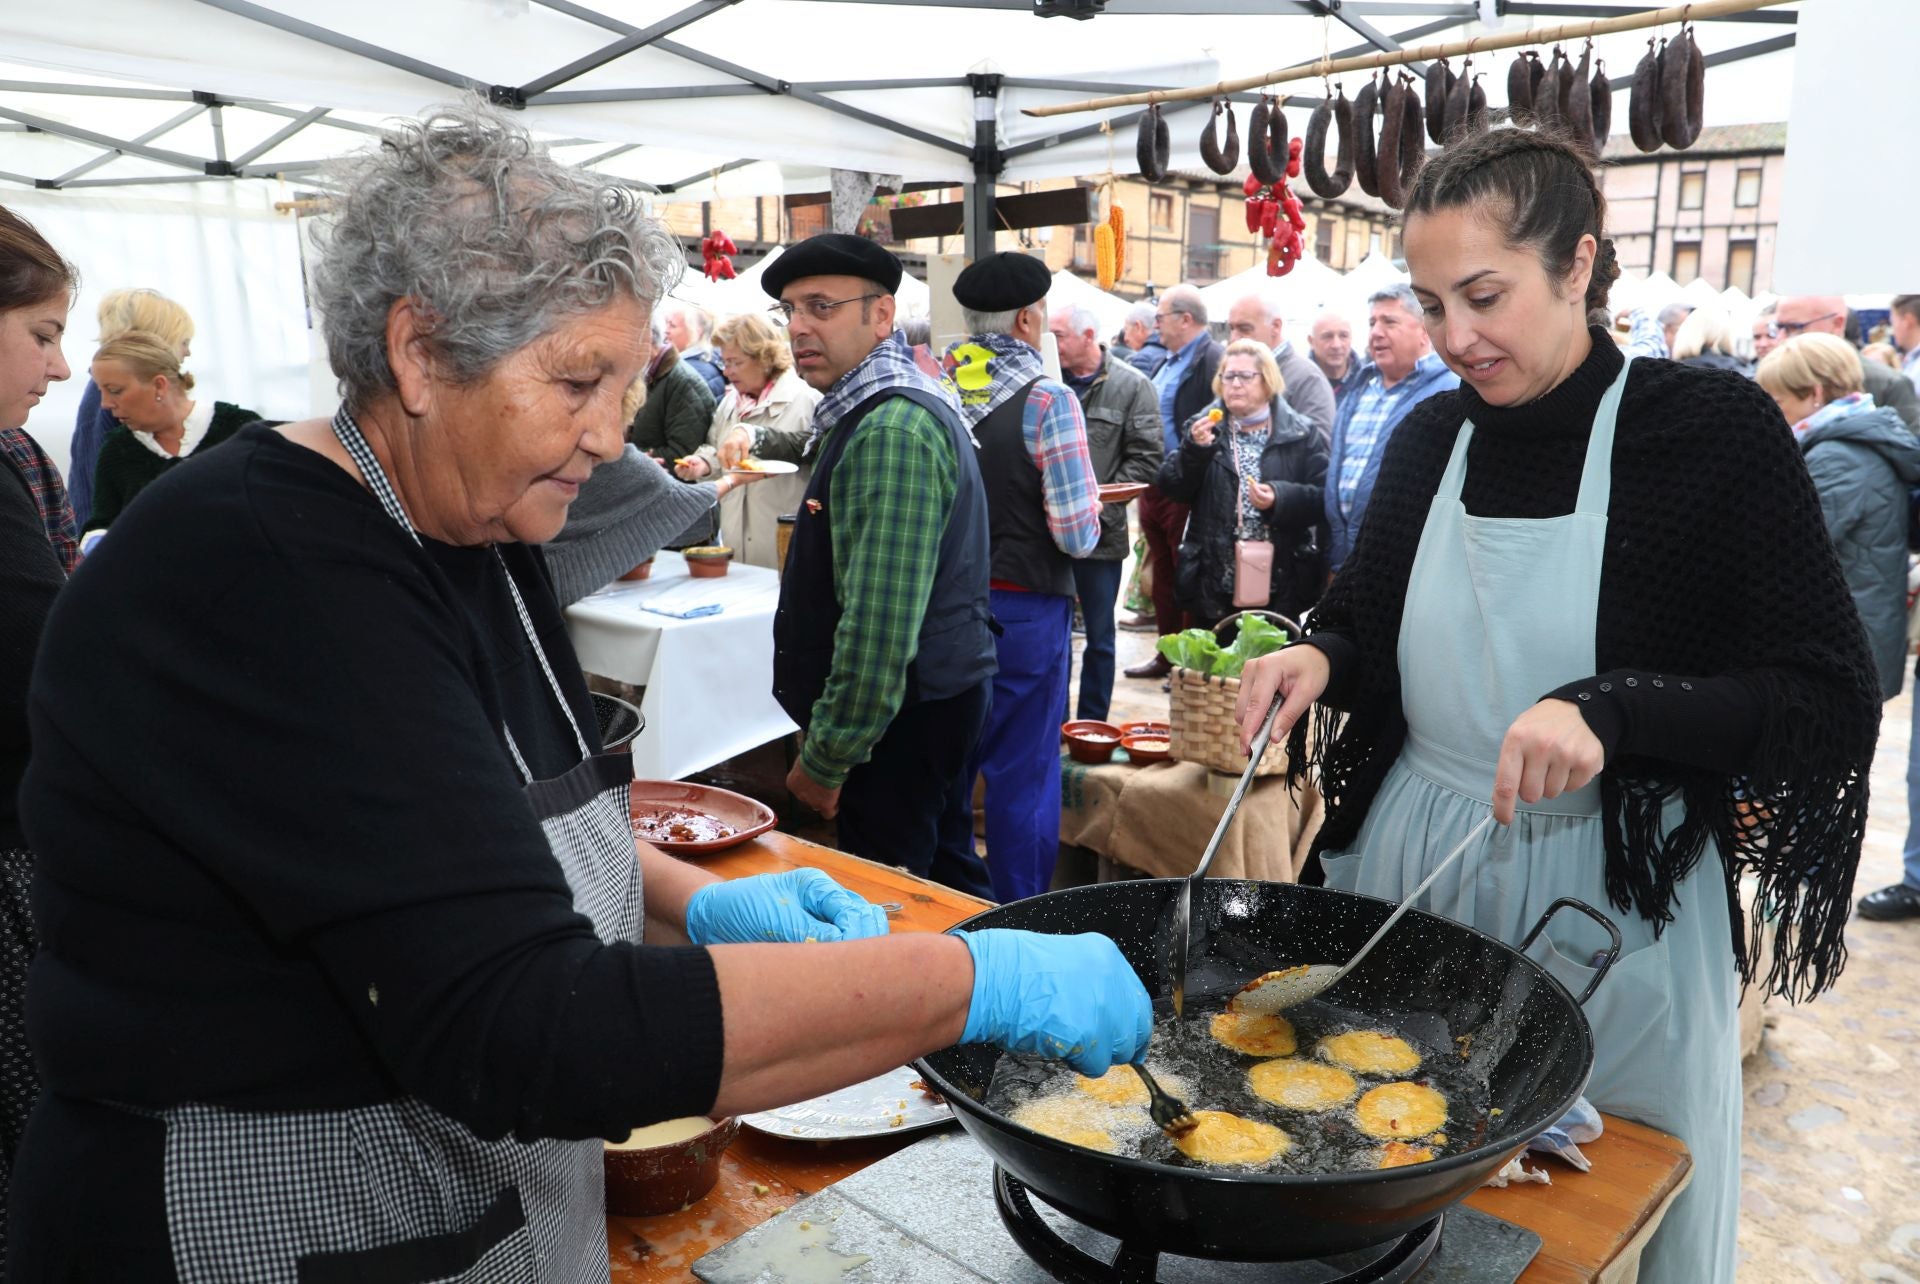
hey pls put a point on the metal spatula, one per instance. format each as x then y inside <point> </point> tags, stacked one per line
<point>1278,991</point>
<point>1183,908</point>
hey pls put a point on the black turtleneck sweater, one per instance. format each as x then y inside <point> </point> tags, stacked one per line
<point>1525,462</point>
<point>1734,671</point>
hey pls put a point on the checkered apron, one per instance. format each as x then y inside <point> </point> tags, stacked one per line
<point>399,1192</point>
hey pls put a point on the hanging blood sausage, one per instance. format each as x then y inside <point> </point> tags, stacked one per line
<point>1366,170</point>
<point>1413,148</point>
<point>1393,119</point>
<point>1153,148</point>
<point>1477,109</point>
<point>1643,100</point>
<point>1563,104</point>
<point>1579,102</point>
<point>1682,91</point>
<point>1600,107</point>
<point>1314,158</point>
<point>1440,83</point>
<point>1219,159</point>
<point>1520,89</point>
<point>1459,104</point>
<point>1546,96</point>
<point>1267,168</point>
<point>1277,137</point>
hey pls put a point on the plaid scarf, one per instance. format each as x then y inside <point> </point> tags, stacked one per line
<point>987,369</point>
<point>49,494</point>
<point>889,365</point>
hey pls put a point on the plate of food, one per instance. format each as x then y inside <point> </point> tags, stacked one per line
<point>895,1102</point>
<point>771,467</point>
<point>1121,492</point>
<point>687,819</point>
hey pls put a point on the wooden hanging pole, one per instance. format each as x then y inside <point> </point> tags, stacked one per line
<point>1700,11</point>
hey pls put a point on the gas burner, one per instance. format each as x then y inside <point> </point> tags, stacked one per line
<point>1389,1263</point>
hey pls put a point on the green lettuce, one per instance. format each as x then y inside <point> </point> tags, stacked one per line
<point>1200,651</point>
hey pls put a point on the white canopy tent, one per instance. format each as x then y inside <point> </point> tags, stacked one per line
<point>1298,295</point>
<point>164,99</point>
<point>1070,291</point>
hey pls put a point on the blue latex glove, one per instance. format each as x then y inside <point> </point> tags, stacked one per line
<point>798,905</point>
<point>1071,997</point>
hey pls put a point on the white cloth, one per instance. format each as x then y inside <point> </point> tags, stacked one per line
<point>708,680</point>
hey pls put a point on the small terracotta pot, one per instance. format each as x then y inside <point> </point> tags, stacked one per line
<point>640,572</point>
<point>707,566</point>
<point>1089,741</point>
<point>1155,746</point>
<point>665,1179</point>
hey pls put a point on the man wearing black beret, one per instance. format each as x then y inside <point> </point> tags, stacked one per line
<point>1044,508</point>
<point>882,643</point>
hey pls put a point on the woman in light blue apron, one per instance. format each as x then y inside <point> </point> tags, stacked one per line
<point>1530,625</point>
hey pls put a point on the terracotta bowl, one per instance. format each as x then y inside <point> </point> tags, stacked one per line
<point>707,563</point>
<point>665,1179</point>
<point>1150,747</point>
<point>1089,741</point>
<point>1161,729</point>
<point>640,572</point>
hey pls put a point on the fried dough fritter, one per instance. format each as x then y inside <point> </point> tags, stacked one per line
<point>1398,1154</point>
<point>1221,1138</point>
<point>1076,1121</point>
<point>1373,1052</point>
<point>1257,1036</point>
<point>1400,1110</point>
<point>1302,1085</point>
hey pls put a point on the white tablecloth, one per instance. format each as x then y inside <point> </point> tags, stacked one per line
<point>709,681</point>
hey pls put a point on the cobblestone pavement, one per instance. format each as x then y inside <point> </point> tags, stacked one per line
<point>1831,1158</point>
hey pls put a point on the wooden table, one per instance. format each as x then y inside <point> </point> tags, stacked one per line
<point>1584,1220</point>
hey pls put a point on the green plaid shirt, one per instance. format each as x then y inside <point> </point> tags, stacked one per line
<point>890,497</point>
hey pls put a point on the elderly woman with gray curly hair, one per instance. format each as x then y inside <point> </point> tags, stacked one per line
<point>342,973</point>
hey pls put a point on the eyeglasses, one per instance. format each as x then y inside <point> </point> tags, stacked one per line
<point>1162,316</point>
<point>1775,329</point>
<point>818,309</point>
<point>1239,376</point>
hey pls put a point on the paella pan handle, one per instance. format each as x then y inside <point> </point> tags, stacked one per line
<point>1608,956</point>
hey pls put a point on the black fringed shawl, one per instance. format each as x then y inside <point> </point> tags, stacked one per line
<point>1717,565</point>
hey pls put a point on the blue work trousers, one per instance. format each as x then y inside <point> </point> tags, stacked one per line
<point>1019,753</point>
<point>1098,584</point>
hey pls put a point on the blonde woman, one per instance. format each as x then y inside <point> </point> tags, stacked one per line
<point>120,311</point>
<point>1707,339</point>
<point>143,386</point>
<point>768,413</point>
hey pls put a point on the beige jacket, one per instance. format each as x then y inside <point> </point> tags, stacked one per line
<point>781,425</point>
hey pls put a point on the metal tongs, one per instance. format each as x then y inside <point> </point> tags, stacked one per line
<point>1183,907</point>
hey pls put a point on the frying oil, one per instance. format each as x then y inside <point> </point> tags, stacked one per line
<point>1211,1076</point>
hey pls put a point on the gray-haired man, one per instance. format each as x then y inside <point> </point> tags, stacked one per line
<point>1123,436</point>
<point>1257,317</point>
<point>1139,340</point>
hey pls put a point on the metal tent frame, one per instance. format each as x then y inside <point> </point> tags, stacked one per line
<point>985,155</point>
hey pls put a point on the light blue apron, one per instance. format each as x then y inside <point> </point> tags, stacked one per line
<point>1499,612</point>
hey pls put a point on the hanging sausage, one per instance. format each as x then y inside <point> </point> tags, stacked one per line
<point>1393,120</point>
<point>1265,166</point>
<point>1413,148</point>
<point>1153,147</point>
<point>1579,101</point>
<point>1459,104</point>
<point>1546,95</point>
<point>1523,74</point>
<point>1314,157</point>
<point>1221,159</point>
<point>1366,171</point>
<point>1477,108</point>
<point>1683,84</point>
<point>1600,107</point>
<point>1643,100</point>
<point>1440,83</point>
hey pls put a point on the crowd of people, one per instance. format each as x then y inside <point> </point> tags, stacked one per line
<point>1636,599</point>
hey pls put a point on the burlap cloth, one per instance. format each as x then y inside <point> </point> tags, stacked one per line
<point>1157,819</point>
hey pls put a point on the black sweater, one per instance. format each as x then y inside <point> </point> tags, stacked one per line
<point>126,466</point>
<point>269,780</point>
<point>30,575</point>
<point>1717,579</point>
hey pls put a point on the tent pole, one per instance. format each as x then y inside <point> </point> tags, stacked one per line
<point>987,164</point>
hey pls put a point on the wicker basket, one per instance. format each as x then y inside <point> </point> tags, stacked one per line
<point>1201,714</point>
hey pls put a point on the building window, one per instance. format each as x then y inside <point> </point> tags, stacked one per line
<point>1740,266</point>
<point>1686,263</point>
<point>806,220</point>
<point>1693,191</point>
<point>1203,244</point>
<point>1746,188</point>
<point>1323,241</point>
<point>1160,211</point>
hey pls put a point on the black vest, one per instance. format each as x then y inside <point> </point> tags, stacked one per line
<point>956,640</point>
<point>1023,552</point>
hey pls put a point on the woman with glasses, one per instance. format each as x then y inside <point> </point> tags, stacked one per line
<point>1251,468</point>
<point>767,413</point>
